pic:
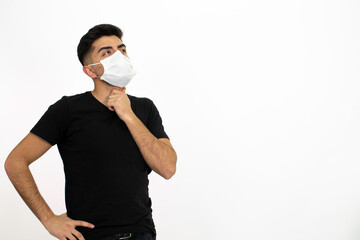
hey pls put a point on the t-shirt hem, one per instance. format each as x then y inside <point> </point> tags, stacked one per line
<point>105,232</point>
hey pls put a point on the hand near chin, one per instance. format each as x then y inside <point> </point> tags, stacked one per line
<point>63,227</point>
<point>119,102</point>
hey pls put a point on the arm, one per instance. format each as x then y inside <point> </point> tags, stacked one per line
<point>17,164</point>
<point>158,153</point>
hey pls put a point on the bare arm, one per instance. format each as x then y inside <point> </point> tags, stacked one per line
<point>158,153</point>
<point>17,168</point>
<point>17,164</point>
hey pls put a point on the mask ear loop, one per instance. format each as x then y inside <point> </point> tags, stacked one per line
<point>93,65</point>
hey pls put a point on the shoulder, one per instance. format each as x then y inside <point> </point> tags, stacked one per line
<point>74,101</point>
<point>140,101</point>
<point>80,97</point>
<point>142,107</point>
<point>64,103</point>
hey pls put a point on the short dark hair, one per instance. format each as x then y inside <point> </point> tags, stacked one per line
<point>83,49</point>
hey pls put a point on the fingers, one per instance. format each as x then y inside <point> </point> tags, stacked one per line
<point>118,100</point>
<point>110,106</point>
<point>78,235</point>
<point>64,228</point>
<point>118,90</point>
<point>83,224</point>
<point>110,103</point>
<point>70,237</point>
<point>72,233</point>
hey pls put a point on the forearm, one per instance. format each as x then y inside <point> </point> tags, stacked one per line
<point>160,157</point>
<point>23,181</point>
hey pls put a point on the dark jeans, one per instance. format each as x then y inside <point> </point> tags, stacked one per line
<point>132,236</point>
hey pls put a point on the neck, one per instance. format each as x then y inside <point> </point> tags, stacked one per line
<point>102,90</point>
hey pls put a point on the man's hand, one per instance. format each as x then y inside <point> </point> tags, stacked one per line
<point>119,102</point>
<point>63,227</point>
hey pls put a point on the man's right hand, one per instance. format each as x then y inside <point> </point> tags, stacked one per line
<point>31,148</point>
<point>63,227</point>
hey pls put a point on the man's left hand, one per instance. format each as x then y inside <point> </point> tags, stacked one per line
<point>119,102</point>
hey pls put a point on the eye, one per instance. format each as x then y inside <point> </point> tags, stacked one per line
<point>123,50</point>
<point>107,52</point>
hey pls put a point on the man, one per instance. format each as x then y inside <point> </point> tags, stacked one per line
<point>109,142</point>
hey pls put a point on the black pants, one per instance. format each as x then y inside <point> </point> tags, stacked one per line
<point>131,236</point>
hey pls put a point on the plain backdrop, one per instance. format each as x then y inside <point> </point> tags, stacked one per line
<point>260,99</point>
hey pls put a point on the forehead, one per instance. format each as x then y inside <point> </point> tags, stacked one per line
<point>112,41</point>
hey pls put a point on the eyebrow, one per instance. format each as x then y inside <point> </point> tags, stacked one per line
<point>109,47</point>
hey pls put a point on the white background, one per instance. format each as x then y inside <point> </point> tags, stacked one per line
<point>260,100</point>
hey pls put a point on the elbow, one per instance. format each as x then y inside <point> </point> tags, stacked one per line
<point>11,166</point>
<point>171,170</point>
<point>170,173</point>
<point>7,166</point>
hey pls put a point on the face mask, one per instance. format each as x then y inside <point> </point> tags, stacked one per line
<point>118,70</point>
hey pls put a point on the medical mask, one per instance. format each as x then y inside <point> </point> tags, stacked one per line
<point>118,70</point>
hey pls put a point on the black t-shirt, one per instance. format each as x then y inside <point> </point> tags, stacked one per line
<point>106,177</point>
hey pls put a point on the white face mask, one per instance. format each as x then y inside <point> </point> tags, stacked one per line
<point>118,70</point>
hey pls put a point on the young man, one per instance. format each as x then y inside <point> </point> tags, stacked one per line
<point>109,142</point>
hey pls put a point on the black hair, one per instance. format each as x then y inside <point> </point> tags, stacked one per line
<point>92,35</point>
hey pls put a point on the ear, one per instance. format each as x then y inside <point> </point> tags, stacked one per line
<point>89,71</point>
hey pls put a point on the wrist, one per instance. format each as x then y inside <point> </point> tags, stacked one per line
<point>129,117</point>
<point>46,219</point>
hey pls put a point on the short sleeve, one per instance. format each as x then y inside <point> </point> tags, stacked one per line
<point>53,124</point>
<point>154,122</point>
